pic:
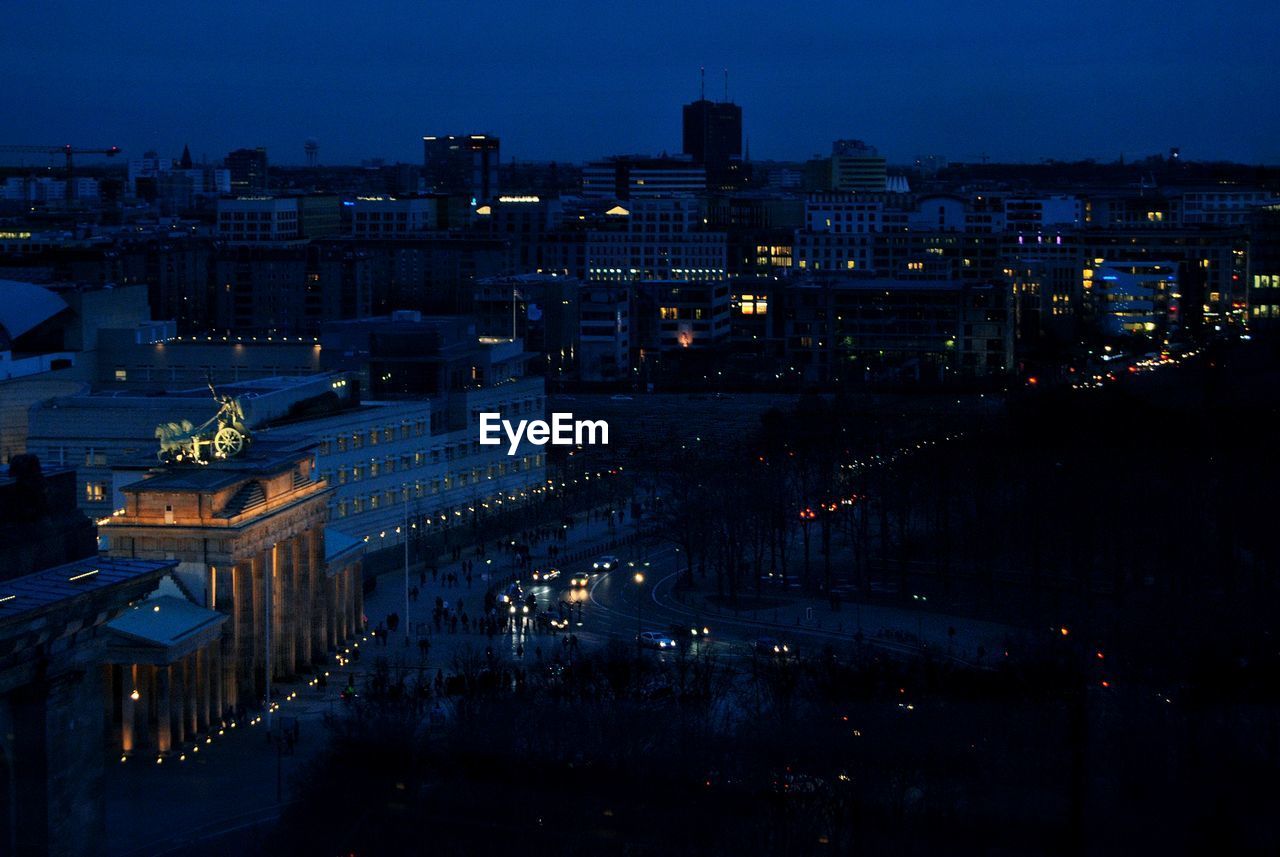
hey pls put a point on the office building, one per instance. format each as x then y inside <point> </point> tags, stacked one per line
<point>1133,298</point>
<point>1264,269</point>
<point>851,329</point>
<point>627,177</point>
<point>689,315</point>
<point>657,239</point>
<point>462,165</point>
<point>713,137</point>
<point>857,167</point>
<point>247,169</point>
<point>249,219</point>
<point>391,217</point>
<point>604,333</point>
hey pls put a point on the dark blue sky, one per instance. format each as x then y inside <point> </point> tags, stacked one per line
<point>576,80</point>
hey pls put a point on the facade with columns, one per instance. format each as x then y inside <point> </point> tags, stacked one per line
<point>255,588</point>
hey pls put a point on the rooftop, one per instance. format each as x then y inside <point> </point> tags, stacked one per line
<point>165,620</point>
<point>262,458</point>
<point>25,595</point>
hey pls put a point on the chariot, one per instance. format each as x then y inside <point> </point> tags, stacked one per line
<point>224,435</point>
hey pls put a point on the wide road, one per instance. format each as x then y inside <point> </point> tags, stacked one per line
<point>613,607</point>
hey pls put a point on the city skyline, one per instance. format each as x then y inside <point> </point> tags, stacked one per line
<point>1007,83</point>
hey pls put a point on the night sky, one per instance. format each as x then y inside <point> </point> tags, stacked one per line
<point>578,80</point>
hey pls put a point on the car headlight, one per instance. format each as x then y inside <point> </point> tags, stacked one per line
<point>595,565</point>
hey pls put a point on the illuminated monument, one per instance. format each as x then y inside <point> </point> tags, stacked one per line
<point>257,578</point>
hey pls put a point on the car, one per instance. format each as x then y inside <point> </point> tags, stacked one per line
<point>513,594</point>
<point>542,575</point>
<point>606,563</point>
<point>771,647</point>
<point>580,580</point>
<point>655,640</point>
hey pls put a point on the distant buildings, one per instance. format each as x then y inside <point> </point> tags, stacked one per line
<point>254,219</point>
<point>857,167</point>
<point>848,328</point>
<point>604,334</point>
<point>1263,275</point>
<point>466,165</point>
<point>626,177</point>
<point>690,314</point>
<point>657,239</point>
<point>247,171</point>
<point>712,135</point>
<point>1141,298</point>
<point>391,217</point>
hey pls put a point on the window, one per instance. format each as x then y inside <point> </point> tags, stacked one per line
<point>94,458</point>
<point>94,492</point>
<point>122,374</point>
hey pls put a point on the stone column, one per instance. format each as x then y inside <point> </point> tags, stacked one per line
<point>344,605</point>
<point>217,686</point>
<point>203,687</point>
<point>303,601</point>
<point>320,598</point>
<point>357,583</point>
<point>333,592</point>
<point>178,702</point>
<point>128,683</point>
<point>191,673</point>
<point>253,681</point>
<point>163,734</point>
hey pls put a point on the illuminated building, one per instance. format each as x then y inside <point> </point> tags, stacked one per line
<point>235,527</point>
<point>1133,298</point>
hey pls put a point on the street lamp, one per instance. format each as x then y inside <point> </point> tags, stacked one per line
<point>639,581</point>
<point>806,518</point>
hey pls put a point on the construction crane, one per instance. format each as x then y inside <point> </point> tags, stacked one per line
<point>69,151</point>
